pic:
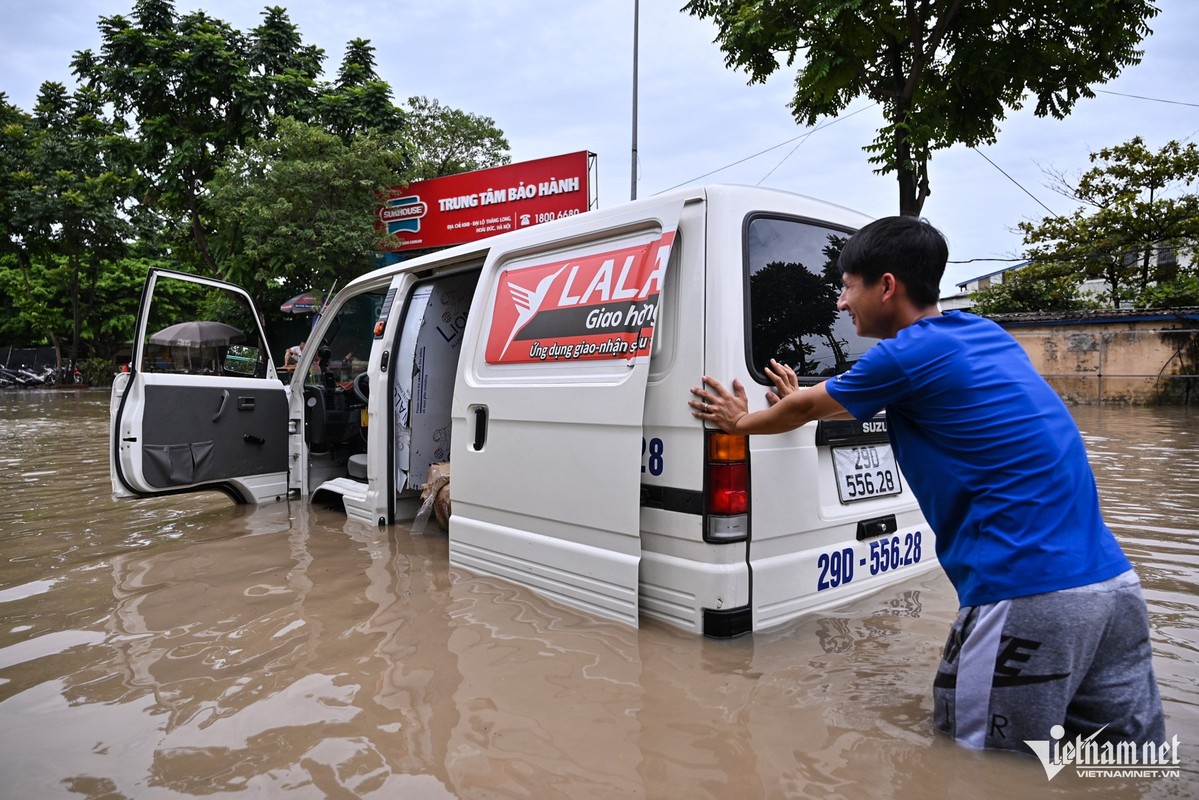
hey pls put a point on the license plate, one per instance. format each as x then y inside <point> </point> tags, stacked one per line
<point>865,471</point>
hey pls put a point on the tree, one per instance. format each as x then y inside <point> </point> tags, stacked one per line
<point>16,153</point>
<point>793,306</point>
<point>447,141</point>
<point>358,101</point>
<point>181,84</point>
<point>943,71</point>
<point>192,88</point>
<point>284,73</point>
<point>1051,287</point>
<point>170,111</point>
<point>1136,216</point>
<point>65,212</point>
<point>298,210</point>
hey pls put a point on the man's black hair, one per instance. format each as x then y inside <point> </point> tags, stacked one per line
<point>909,248</point>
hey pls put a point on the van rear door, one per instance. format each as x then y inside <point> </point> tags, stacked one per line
<point>547,417</point>
<point>828,499</point>
<point>201,407</point>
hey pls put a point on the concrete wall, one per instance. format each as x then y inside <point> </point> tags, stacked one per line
<point>1132,360</point>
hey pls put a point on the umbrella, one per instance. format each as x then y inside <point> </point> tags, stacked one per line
<point>197,334</point>
<point>302,303</point>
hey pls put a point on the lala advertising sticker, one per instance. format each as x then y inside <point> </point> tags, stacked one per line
<point>599,306</point>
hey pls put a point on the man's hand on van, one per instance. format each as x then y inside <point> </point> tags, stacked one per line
<point>729,411</point>
<point>784,379</point>
<point>719,406</point>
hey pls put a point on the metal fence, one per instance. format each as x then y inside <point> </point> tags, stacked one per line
<point>33,357</point>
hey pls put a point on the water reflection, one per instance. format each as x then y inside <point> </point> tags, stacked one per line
<point>185,647</point>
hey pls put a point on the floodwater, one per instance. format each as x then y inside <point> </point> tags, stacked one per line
<point>189,647</point>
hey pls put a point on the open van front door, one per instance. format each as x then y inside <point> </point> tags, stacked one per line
<point>201,406</point>
<point>547,415</point>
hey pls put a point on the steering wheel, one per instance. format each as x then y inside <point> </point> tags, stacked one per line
<point>361,386</point>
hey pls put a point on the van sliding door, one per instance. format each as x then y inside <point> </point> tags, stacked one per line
<point>547,416</point>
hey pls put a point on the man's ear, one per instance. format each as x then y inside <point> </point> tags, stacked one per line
<point>890,286</point>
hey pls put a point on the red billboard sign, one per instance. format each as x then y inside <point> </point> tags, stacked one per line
<point>598,306</point>
<point>473,205</point>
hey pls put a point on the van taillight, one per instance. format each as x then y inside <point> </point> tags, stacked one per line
<point>727,489</point>
<point>726,481</point>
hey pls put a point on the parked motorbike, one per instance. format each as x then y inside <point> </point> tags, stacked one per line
<point>23,377</point>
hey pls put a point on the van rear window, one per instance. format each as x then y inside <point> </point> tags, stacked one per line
<point>792,310</point>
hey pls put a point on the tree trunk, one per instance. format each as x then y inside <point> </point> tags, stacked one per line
<point>912,176</point>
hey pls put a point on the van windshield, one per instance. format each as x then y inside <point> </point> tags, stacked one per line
<point>793,287</point>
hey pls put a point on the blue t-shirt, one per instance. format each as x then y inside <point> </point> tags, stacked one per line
<point>992,455</point>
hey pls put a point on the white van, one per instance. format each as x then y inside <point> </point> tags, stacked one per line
<point>548,370</point>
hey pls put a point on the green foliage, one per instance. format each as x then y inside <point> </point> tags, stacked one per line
<point>943,71</point>
<point>1181,292</point>
<point>1034,288</point>
<point>181,83</point>
<point>447,141</point>
<point>96,371</point>
<point>114,310</point>
<point>283,72</point>
<point>359,102</point>
<point>34,313</point>
<point>16,157</point>
<point>194,89</point>
<point>64,195</point>
<point>1136,206</point>
<point>296,211</point>
<point>191,145</point>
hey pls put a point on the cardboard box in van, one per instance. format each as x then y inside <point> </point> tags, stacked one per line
<point>548,371</point>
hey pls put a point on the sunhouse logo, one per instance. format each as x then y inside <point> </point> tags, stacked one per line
<point>403,214</point>
<point>1092,759</point>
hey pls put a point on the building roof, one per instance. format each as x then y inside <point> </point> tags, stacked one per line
<point>1096,317</point>
<point>968,281</point>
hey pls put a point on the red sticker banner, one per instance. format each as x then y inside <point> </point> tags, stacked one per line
<point>601,306</point>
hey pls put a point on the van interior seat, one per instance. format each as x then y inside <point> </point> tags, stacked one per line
<point>357,466</point>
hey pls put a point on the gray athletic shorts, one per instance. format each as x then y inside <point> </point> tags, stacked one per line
<point>1079,658</point>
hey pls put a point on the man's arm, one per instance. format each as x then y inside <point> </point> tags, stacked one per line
<point>730,412</point>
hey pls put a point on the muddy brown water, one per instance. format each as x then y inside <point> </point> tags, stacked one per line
<point>190,647</point>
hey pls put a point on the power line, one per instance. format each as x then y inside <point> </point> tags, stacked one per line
<point>1052,213</point>
<point>803,135</point>
<point>1150,99</point>
<point>972,260</point>
<point>804,138</point>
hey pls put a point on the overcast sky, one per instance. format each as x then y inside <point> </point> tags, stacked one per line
<point>556,76</point>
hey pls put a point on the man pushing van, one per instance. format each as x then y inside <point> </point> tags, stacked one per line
<point>1053,632</point>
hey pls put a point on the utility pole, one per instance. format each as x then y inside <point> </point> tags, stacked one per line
<point>633,167</point>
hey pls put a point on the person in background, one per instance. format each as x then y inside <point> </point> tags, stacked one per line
<point>292,356</point>
<point>1052,637</point>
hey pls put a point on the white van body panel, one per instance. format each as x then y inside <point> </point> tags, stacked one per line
<point>681,574</point>
<point>545,450</point>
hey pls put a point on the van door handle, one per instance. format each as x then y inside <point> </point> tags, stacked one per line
<point>221,408</point>
<point>480,428</point>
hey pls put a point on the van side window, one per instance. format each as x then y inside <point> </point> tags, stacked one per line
<point>792,311</point>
